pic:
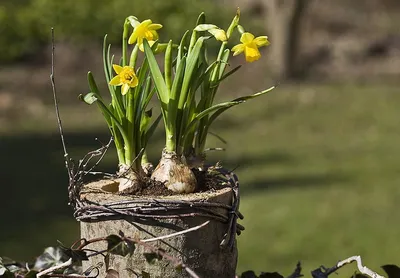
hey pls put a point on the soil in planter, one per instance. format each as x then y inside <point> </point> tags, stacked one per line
<point>205,182</point>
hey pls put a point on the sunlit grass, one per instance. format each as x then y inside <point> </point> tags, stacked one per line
<point>318,166</point>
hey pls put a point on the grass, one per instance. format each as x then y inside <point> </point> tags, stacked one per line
<point>318,169</point>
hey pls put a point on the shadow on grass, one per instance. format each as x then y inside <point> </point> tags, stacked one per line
<point>291,181</point>
<point>33,190</point>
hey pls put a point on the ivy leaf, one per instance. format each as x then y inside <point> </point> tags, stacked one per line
<point>391,270</point>
<point>112,273</point>
<point>51,256</point>
<point>120,246</point>
<point>3,269</point>
<point>248,274</point>
<point>152,257</point>
<point>270,275</point>
<point>359,275</point>
<point>76,255</point>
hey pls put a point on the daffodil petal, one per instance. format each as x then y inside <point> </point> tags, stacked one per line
<point>247,38</point>
<point>252,53</point>
<point>140,41</point>
<point>116,81</point>
<point>154,35</point>
<point>124,89</point>
<point>134,82</point>
<point>261,41</point>
<point>133,37</point>
<point>117,68</point>
<point>141,47</point>
<point>237,49</point>
<point>154,26</point>
<point>145,23</point>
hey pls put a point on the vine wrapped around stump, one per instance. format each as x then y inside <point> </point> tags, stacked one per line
<point>210,251</point>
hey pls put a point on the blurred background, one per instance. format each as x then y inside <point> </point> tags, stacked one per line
<point>317,158</point>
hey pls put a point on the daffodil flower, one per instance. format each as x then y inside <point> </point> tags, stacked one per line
<point>144,30</point>
<point>214,30</point>
<point>249,45</point>
<point>125,77</point>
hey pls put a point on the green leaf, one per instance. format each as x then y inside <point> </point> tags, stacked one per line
<point>156,73</point>
<point>168,65</point>
<point>76,255</point>
<point>201,18</point>
<point>92,83</point>
<point>176,89</point>
<point>151,130</point>
<point>107,65</point>
<point>152,257</point>
<point>218,109</point>
<point>223,63</point>
<point>51,256</point>
<point>191,63</point>
<point>120,246</point>
<point>181,49</point>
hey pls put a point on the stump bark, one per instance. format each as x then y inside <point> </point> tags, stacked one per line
<point>200,250</point>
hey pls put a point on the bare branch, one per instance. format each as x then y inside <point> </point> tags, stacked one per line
<point>53,268</point>
<point>53,86</point>
<point>177,233</point>
<point>363,269</point>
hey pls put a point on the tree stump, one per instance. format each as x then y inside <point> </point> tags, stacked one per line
<point>200,250</point>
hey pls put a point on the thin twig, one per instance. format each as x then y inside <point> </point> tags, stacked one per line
<point>363,269</point>
<point>177,233</point>
<point>323,272</point>
<point>53,268</point>
<point>53,86</point>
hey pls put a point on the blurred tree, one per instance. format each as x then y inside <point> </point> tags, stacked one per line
<point>25,24</point>
<point>284,21</point>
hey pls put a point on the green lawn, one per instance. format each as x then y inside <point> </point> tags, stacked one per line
<point>318,166</point>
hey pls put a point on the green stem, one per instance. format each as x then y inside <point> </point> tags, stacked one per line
<point>214,75</point>
<point>125,43</point>
<point>170,142</point>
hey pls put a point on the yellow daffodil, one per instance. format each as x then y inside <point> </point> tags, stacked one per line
<point>144,30</point>
<point>249,45</point>
<point>214,30</point>
<point>125,77</point>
